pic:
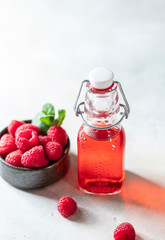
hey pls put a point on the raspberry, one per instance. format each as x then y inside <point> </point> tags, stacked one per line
<point>34,158</point>
<point>27,126</point>
<point>53,150</point>
<point>66,206</point>
<point>26,139</point>
<point>14,158</point>
<point>43,140</point>
<point>13,126</point>
<point>58,134</point>
<point>7,144</point>
<point>124,231</point>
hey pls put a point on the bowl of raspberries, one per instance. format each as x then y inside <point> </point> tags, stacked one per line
<point>33,158</point>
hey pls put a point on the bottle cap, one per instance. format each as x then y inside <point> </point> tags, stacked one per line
<point>101,78</point>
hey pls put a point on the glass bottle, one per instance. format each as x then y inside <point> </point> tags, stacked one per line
<point>101,138</point>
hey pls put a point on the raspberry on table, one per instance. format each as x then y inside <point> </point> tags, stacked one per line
<point>14,158</point>
<point>53,150</point>
<point>43,140</point>
<point>27,126</point>
<point>58,134</point>
<point>26,139</point>
<point>7,144</point>
<point>13,126</point>
<point>125,231</point>
<point>66,206</point>
<point>34,158</point>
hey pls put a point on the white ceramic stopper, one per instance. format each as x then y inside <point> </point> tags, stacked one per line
<point>101,78</point>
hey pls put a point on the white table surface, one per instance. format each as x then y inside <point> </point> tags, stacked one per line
<point>46,49</point>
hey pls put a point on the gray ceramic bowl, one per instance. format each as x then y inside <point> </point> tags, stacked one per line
<point>30,178</point>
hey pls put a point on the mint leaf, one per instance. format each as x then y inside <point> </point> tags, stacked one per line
<point>48,119</point>
<point>48,109</point>
<point>61,116</point>
<point>42,126</point>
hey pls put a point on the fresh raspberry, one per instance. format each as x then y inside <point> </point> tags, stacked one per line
<point>27,126</point>
<point>53,150</point>
<point>58,134</point>
<point>66,206</point>
<point>13,126</point>
<point>14,158</point>
<point>34,158</point>
<point>7,144</point>
<point>125,231</point>
<point>43,140</point>
<point>26,139</point>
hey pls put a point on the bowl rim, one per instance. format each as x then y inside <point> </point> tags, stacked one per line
<point>65,152</point>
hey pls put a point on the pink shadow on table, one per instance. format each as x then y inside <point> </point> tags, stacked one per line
<point>138,190</point>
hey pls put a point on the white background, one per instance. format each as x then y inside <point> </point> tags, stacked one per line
<point>46,49</point>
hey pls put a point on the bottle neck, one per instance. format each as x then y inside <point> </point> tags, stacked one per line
<point>101,107</point>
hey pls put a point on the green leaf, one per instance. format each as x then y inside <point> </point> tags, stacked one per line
<point>42,126</point>
<point>48,119</point>
<point>61,116</point>
<point>48,109</point>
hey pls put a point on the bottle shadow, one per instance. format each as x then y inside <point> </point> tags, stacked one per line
<point>140,191</point>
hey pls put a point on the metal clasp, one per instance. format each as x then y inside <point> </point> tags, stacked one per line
<point>80,112</point>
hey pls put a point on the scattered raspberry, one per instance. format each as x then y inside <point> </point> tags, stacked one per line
<point>58,134</point>
<point>13,126</point>
<point>34,158</point>
<point>53,150</point>
<point>26,139</point>
<point>43,140</point>
<point>66,206</point>
<point>125,231</point>
<point>27,126</point>
<point>7,144</point>
<point>14,158</point>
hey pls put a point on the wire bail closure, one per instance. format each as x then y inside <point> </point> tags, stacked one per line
<point>78,111</point>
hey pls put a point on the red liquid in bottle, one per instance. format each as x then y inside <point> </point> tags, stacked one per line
<point>100,160</point>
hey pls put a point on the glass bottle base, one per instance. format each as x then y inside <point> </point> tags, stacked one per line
<point>103,187</point>
<point>93,193</point>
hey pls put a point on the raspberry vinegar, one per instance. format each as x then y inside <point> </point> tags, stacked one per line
<point>103,151</point>
<point>101,138</point>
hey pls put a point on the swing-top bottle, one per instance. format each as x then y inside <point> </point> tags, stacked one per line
<point>101,138</point>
